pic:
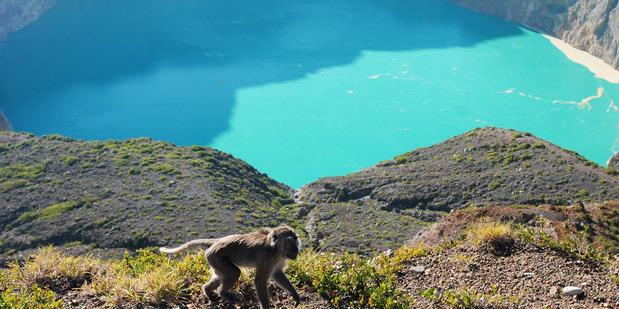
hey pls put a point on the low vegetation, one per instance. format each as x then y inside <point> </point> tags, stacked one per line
<point>343,280</point>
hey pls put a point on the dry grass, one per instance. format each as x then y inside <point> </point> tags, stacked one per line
<point>50,268</point>
<point>495,236</point>
<point>118,288</point>
<point>150,278</point>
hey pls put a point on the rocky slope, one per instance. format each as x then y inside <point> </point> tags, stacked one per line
<point>135,193</point>
<point>590,25</point>
<point>488,166</point>
<point>532,273</point>
<point>16,14</point>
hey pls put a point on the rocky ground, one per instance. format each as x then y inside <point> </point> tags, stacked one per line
<point>246,299</point>
<point>530,277</point>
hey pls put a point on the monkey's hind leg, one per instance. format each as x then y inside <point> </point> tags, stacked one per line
<point>212,284</point>
<point>228,274</point>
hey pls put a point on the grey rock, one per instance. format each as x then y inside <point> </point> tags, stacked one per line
<point>419,269</point>
<point>590,25</point>
<point>614,162</point>
<point>553,291</point>
<point>572,290</point>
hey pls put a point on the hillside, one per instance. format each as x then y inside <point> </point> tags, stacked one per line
<point>126,195</point>
<point>493,218</point>
<point>590,25</point>
<point>488,166</point>
<point>106,197</point>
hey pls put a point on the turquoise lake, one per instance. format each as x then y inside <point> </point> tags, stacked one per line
<point>299,89</point>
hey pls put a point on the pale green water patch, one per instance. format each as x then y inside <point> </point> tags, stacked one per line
<point>341,119</point>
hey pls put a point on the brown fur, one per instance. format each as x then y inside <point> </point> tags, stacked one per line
<point>266,250</point>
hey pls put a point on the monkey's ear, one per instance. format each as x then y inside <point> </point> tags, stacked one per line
<point>272,237</point>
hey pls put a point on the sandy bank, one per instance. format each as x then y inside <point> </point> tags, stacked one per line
<point>596,65</point>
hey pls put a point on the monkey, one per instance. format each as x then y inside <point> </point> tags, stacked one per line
<point>266,250</point>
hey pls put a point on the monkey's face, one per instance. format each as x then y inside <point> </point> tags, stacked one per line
<point>288,244</point>
<point>291,247</point>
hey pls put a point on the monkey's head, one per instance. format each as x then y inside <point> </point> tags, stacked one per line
<point>285,240</point>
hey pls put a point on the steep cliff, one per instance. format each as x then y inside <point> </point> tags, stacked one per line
<point>4,123</point>
<point>590,25</point>
<point>16,14</point>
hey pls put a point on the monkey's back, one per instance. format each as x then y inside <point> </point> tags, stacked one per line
<point>242,249</point>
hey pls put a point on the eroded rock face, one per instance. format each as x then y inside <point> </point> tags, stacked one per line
<point>16,14</point>
<point>590,25</point>
<point>613,163</point>
<point>5,125</point>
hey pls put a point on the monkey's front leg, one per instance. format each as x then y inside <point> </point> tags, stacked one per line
<point>281,280</point>
<point>261,281</point>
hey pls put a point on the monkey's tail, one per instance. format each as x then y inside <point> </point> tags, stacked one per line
<point>193,243</point>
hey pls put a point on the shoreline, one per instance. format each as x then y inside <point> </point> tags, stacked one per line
<point>594,64</point>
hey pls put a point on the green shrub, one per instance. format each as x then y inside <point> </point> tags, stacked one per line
<point>13,184</point>
<point>578,246</point>
<point>33,298</point>
<point>539,145</point>
<point>164,168</point>
<point>22,171</point>
<point>49,212</point>
<point>582,193</point>
<point>349,281</point>
<point>70,160</point>
<point>451,298</point>
<point>493,185</point>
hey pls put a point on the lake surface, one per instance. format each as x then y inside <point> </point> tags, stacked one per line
<point>299,89</point>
